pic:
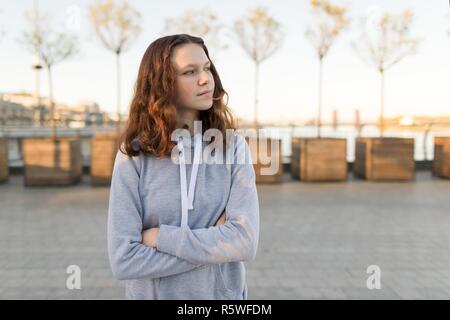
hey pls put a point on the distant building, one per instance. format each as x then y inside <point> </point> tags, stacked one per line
<point>87,113</point>
<point>14,114</point>
<point>93,116</point>
<point>24,98</point>
<point>41,114</point>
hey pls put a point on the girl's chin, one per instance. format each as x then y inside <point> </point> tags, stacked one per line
<point>198,107</point>
<point>205,106</point>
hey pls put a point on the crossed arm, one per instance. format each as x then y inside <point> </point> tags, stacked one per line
<point>150,236</point>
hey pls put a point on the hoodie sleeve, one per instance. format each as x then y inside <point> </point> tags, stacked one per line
<point>235,240</point>
<point>129,258</point>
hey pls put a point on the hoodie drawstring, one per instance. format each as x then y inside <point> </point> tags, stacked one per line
<point>187,198</point>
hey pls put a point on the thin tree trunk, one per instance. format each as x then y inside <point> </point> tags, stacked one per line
<point>52,104</point>
<point>382,103</point>
<point>57,153</point>
<point>37,67</point>
<point>118,92</point>
<point>38,109</point>
<point>256,120</point>
<point>319,115</point>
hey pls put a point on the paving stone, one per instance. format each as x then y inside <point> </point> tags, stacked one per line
<point>316,240</point>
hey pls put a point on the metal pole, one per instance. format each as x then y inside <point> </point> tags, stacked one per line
<point>320,98</point>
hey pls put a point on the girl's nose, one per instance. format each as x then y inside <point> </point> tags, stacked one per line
<point>204,77</point>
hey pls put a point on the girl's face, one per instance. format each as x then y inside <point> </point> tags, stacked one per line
<point>194,84</point>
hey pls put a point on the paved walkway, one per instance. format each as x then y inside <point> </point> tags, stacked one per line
<point>317,240</point>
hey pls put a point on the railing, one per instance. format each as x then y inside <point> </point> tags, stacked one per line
<point>15,135</point>
<point>423,135</point>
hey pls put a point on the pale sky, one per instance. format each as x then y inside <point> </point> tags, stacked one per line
<point>418,85</point>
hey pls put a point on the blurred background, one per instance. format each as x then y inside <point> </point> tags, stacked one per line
<point>353,97</point>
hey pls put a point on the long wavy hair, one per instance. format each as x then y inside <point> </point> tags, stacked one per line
<point>152,116</point>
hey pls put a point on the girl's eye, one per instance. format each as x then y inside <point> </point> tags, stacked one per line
<point>192,71</point>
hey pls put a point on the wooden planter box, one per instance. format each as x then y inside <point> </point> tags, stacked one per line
<point>319,159</point>
<point>384,158</point>
<point>4,171</point>
<point>104,147</point>
<point>50,162</point>
<point>441,161</point>
<point>271,172</point>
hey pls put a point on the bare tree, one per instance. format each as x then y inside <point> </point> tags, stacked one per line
<point>384,43</point>
<point>260,36</point>
<point>49,47</point>
<point>330,20</point>
<point>31,39</point>
<point>117,26</point>
<point>201,23</point>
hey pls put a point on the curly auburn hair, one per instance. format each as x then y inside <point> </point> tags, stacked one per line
<point>152,116</point>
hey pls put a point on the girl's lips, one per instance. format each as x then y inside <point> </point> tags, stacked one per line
<point>206,94</point>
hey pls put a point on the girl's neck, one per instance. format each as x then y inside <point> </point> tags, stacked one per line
<point>186,118</point>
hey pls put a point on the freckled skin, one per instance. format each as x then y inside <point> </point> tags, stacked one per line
<point>190,81</point>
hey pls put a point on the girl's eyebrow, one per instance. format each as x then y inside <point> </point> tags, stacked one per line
<point>194,65</point>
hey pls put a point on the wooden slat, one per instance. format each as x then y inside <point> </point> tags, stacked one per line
<point>359,165</point>
<point>441,161</point>
<point>49,162</point>
<point>104,148</point>
<point>295,158</point>
<point>319,159</point>
<point>385,158</point>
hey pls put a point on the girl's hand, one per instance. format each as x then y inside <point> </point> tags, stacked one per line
<point>150,237</point>
<point>221,220</point>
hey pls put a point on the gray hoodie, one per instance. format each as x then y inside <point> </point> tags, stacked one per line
<point>193,258</point>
